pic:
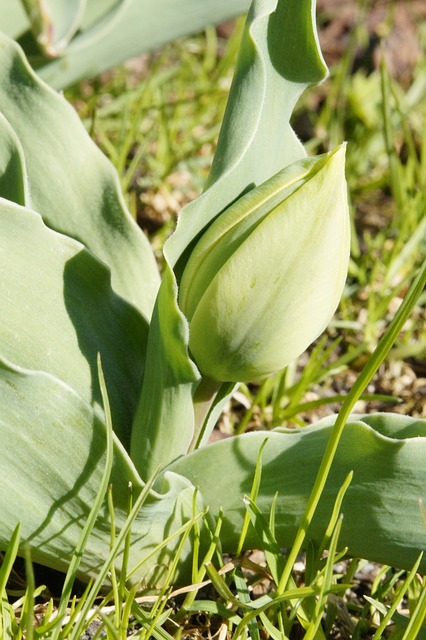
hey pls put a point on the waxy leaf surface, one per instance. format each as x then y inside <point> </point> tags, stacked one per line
<point>58,311</point>
<point>107,32</point>
<point>71,183</point>
<point>52,461</point>
<point>382,518</point>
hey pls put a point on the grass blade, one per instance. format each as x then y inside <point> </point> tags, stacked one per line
<point>9,559</point>
<point>91,520</point>
<point>353,396</point>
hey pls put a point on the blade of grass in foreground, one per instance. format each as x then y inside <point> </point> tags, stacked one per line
<point>103,573</point>
<point>414,627</point>
<point>94,512</point>
<point>28,608</point>
<point>353,396</point>
<point>402,590</point>
<point>9,559</point>
<point>312,631</point>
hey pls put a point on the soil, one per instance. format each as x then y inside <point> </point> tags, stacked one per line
<point>397,21</point>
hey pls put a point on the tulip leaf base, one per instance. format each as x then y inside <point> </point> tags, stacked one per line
<point>252,275</point>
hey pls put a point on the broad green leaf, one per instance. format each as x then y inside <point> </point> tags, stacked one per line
<point>392,425</point>
<point>14,20</point>
<point>163,426</point>
<point>97,10</point>
<point>256,141</point>
<point>51,466</point>
<point>111,31</point>
<point>132,27</point>
<point>54,22</point>
<point>58,311</point>
<point>382,517</point>
<point>72,185</point>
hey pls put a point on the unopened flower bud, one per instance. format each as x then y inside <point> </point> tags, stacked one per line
<point>265,278</point>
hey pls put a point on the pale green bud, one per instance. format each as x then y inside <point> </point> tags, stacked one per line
<point>267,275</point>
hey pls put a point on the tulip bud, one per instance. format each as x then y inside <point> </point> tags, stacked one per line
<point>267,275</point>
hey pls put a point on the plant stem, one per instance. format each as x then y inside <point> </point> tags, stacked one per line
<point>203,400</point>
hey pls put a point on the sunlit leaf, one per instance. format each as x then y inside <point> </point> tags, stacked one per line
<point>71,183</point>
<point>58,311</point>
<point>87,37</point>
<point>51,468</point>
<point>389,476</point>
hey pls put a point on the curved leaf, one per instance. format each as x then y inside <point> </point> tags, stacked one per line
<point>111,31</point>
<point>14,20</point>
<point>52,461</point>
<point>256,139</point>
<point>97,10</point>
<point>382,516</point>
<point>163,426</point>
<point>131,27</point>
<point>72,184</point>
<point>58,311</point>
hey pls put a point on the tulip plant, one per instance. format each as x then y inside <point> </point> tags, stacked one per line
<point>111,375</point>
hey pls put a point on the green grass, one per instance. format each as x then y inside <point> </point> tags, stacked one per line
<point>158,124</point>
